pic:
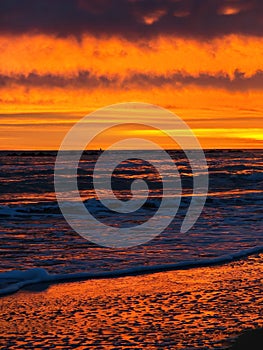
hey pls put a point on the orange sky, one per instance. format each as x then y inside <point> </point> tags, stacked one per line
<point>47,83</point>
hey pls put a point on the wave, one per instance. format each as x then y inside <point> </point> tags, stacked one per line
<point>12,281</point>
<point>44,207</point>
<point>29,209</point>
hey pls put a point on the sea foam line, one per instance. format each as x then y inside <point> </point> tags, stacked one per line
<point>12,281</point>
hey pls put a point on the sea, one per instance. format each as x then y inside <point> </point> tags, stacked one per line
<point>37,243</point>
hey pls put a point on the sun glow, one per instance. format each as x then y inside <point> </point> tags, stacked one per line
<point>50,83</point>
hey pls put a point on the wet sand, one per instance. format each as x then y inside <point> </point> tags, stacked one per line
<point>202,308</point>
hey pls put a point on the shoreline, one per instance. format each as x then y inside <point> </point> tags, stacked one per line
<point>202,308</point>
<point>41,276</point>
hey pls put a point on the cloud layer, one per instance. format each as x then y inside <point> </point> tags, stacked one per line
<point>178,80</point>
<point>132,19</point>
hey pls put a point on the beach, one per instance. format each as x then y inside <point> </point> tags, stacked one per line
<point>198,308</point>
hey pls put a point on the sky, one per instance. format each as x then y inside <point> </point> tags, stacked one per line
<point>62,59</point>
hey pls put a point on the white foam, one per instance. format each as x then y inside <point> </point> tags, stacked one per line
<point>12,281</point>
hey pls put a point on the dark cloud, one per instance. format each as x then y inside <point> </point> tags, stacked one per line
<point>132,19</point>
<point>83,79</point>
<point>178,80</point>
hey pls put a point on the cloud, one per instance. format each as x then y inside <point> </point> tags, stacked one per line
<point>177,80</point>
<point>82,79</point>
<point>44,54</point>
<point>132,19</point>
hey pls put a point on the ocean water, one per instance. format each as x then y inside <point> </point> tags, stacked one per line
<point>35,235</point>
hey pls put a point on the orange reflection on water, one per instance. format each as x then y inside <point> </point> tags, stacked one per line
<point>28,198</point>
